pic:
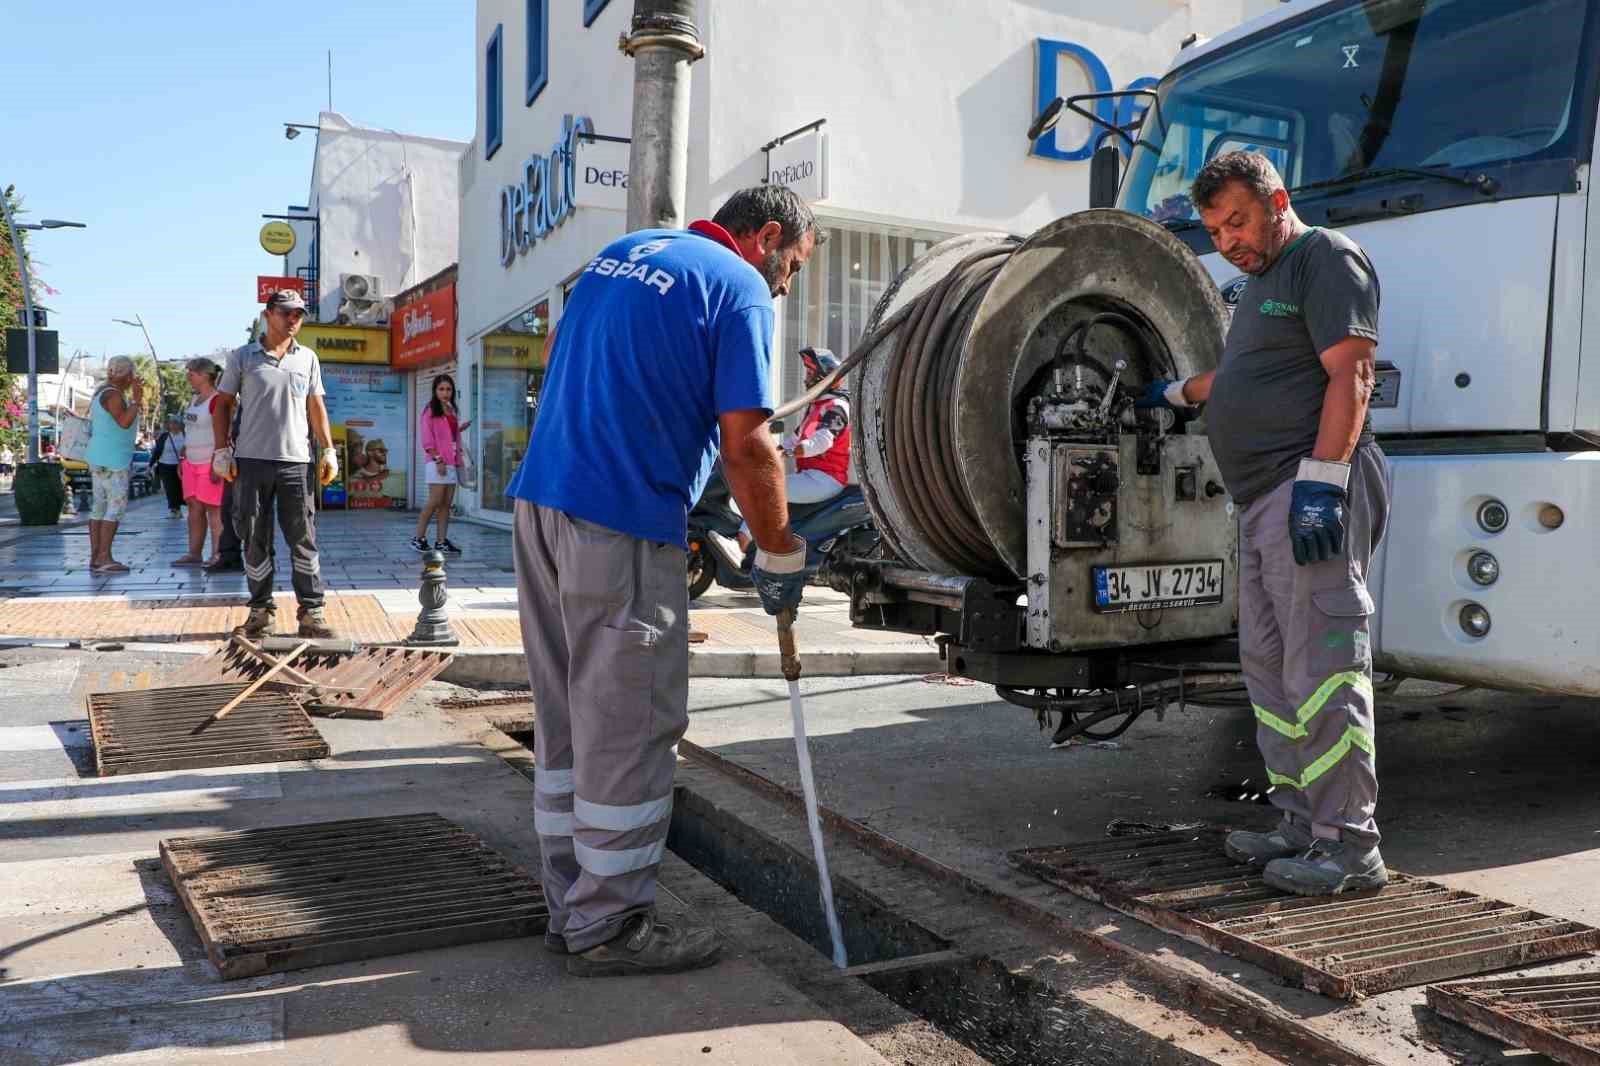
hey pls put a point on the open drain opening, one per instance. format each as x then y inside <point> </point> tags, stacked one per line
<point>1009,1018</point>
<point>782,883</point>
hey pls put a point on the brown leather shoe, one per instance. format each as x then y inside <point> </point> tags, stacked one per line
<point>646,945</point>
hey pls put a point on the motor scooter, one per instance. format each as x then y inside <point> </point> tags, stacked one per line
<point>836,527</point>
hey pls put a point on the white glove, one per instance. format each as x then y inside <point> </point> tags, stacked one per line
<point>789,442</point>
<point>222,464</point>
<point>327,467</point>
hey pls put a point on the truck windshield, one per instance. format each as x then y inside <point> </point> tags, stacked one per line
<point>1373,85</point>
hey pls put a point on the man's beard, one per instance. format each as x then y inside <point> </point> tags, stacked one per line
<point>772,271</point>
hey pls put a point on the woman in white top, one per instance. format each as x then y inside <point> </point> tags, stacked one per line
<point>201,487</point>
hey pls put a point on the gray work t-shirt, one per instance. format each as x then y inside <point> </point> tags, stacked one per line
<point>272,399</point>
<point>1266,400</point>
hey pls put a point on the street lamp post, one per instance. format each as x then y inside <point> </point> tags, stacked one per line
<point>27,310</point>
<point>155,360</point>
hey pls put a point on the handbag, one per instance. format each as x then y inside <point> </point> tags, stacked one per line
<point>74,436</point>
<point>466,473</point>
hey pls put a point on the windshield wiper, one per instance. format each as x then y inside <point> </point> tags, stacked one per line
<point>1482,183</point>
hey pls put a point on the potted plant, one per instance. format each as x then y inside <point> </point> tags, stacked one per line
<point>40,493</point>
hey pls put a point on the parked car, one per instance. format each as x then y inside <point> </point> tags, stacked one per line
<point>141,474</point>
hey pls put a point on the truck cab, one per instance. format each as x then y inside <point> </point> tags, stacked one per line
<point>1454,141</point>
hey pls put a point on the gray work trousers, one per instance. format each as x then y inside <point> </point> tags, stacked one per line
<point>261,484</point>
<point>1306,649</point>
<point>605,629</point>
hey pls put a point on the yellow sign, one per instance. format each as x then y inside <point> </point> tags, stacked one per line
<point>277,238</point>
<point>346,344</point>
<point>510,351</point>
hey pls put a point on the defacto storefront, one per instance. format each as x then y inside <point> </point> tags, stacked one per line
<point>901,122</point>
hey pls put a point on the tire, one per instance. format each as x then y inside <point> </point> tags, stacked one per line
<point>702,572</point>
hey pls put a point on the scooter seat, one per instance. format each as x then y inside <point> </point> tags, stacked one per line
<point>799,511</point>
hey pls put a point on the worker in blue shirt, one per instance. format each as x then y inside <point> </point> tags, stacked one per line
<point>662,357</point>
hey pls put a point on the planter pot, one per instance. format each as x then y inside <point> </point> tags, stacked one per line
<point>39,493</point>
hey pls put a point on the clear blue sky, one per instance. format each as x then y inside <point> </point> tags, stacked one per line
<point>160,126</point>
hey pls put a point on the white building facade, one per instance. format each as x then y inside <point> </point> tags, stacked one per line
<point>912,119</point>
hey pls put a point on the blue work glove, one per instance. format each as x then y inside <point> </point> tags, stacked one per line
<point>780,579</point>
<point>1161,393</point>
<point>1316,511</point>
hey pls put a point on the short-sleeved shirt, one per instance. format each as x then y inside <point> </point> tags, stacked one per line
<point>1266,400</point>
<point>665,331</point>
<point>272,401</point>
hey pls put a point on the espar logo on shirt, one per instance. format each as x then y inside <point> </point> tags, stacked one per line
<point>1279,309</point>
<point>635,267</point>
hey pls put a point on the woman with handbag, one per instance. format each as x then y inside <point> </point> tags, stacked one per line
<point>440,433</point>
<point>114,419</point>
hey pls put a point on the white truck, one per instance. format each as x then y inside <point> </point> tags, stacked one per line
<point>1454,140</point>
<point>1089,554</point>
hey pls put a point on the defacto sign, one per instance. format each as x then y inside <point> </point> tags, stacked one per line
<point>266,286</point>
<point>602,174</point>
<point>346,344</point>
<point>277,238</point>
<point>1093,77</point>
<point>422,332</point>
<point>801,164</point>
<point>542,196</point>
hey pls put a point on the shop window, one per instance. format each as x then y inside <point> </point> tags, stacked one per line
<point>592,9</point>
<point>493,95</point>
<point>513,361</point>
<point>832,298</point>
<point>538,47</point>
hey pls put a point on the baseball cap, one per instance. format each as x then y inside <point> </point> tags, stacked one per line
<point>286,300</point>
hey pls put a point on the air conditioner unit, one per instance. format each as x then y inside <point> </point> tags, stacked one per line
<point>361,286</point>
<point>364,312</point>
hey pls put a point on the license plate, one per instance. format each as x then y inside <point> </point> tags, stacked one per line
<point>1140,588</point>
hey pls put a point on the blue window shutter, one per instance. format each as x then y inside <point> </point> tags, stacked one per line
<point>538,47</point>
<point>493,95</point>
<point>592,9</point>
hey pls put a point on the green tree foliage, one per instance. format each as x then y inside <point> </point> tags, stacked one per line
<point>13,404</point>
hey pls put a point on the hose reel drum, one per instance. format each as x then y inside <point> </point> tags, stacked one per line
<point>996,436</point>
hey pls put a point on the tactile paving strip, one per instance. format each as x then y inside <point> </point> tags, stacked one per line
<point>267,900</point>
<point>1555,1016</point>
<point>1408,933</point>
<point>151,729</point>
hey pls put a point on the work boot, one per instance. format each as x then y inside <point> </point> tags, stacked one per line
<point>1327,868</point>
<point>257,625</point>
<point>646,945</point>
<point>1258,849</point>
<point>313,623</point>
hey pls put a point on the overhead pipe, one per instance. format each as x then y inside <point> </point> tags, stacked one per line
<point>663,40</point>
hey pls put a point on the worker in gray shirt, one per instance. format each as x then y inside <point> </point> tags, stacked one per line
<point>277,384</point>
<point>1287,420</point>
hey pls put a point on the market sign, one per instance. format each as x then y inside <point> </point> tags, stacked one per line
<point>542,196</point>
<point>346,344</point>
<point>602,174</point>
<point>422,332</point>
<point>267,285</point>
<point>513,351</point>
<point>801,164</point>
<point>277,238</point>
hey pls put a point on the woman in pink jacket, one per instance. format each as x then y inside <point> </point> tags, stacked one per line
<point>440,433</point>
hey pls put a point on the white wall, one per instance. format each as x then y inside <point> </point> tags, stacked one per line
<point>389,205</point>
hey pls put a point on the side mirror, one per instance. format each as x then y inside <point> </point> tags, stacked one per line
<point>1047,119</point>
<point>1105,173</point>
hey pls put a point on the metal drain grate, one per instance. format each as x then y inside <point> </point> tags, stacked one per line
<point>370,683</point>
<point>1555,1016</point>
<point>1408,933</point>
<point>266,900</point>
<point>152,729</point>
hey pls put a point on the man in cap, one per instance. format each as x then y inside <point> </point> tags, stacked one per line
<point>277,384</point>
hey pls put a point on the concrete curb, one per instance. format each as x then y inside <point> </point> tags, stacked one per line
<point>494,667</point>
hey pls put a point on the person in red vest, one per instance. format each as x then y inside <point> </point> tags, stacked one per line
<point>821,447</point>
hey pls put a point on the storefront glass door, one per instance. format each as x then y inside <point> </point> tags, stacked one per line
<point>513,361</point>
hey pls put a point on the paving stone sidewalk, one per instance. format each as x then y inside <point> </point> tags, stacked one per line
<point>372,575</point>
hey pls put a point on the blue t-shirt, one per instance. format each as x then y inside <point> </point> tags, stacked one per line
<point>665,330</point>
